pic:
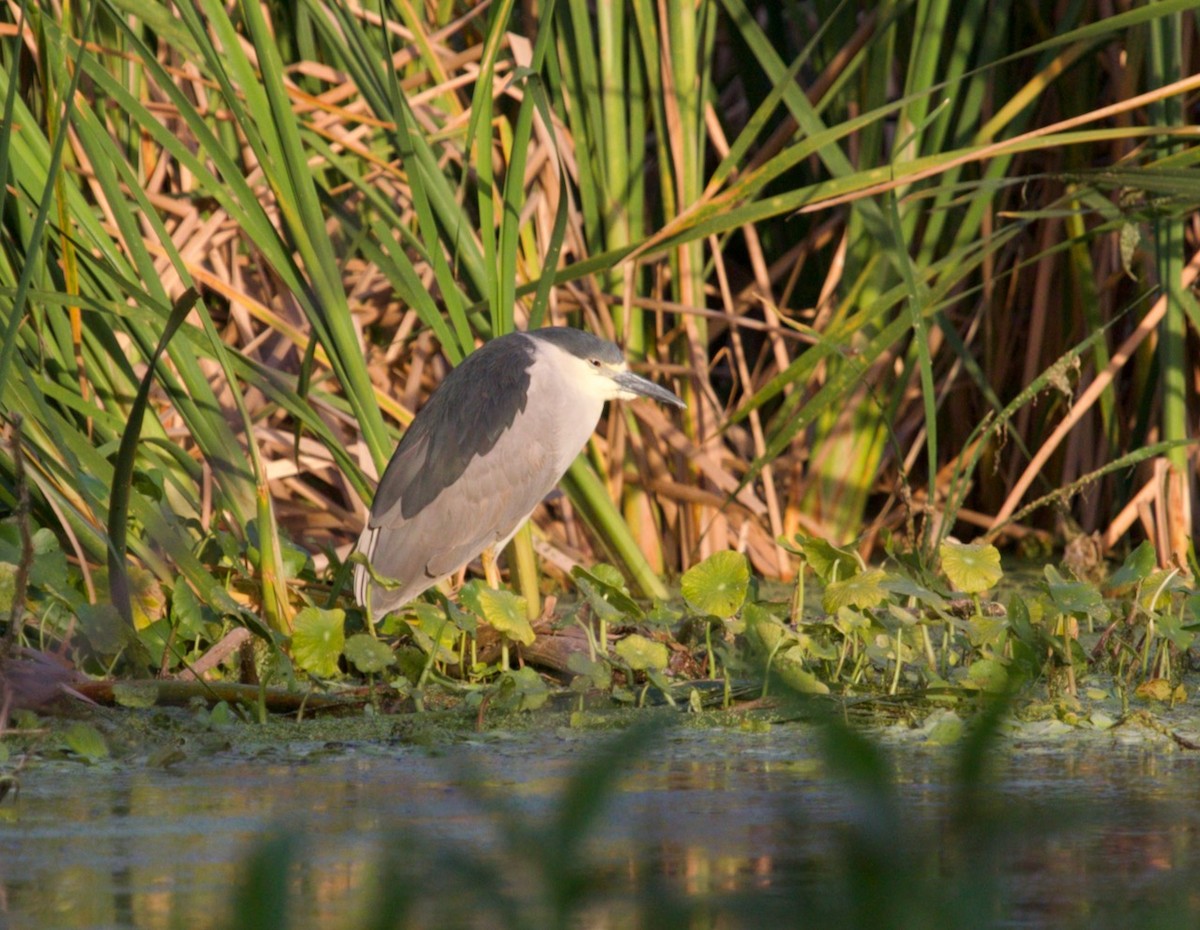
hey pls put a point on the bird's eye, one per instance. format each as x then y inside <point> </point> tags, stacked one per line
<point>594,362</point>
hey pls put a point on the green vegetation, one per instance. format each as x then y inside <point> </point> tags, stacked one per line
<point>920,269</point>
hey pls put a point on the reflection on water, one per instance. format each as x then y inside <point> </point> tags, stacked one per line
<point>751,817</point>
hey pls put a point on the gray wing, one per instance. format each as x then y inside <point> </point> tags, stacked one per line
<point>484,506</point>
<point>465,418</point>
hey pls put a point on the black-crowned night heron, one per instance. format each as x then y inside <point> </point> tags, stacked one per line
<point>492,441</point>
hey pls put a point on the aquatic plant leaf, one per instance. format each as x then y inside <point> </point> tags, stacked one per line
<point>764,628</point>
<point>1075,597</point>
<point>318,637</point>
<point>609,575</point>
<point>611,602</point>
<point>507,613</point>
<point>49,566</point>
<point>789,666</point>
<point>987,675</point>
<point>986,632</point>
<point>85,740</point>
<point>457,620</point>
<point>369,655</point>
<point>137,694</point>
<point>1156,689</point>
<point>106,632</point>
<point>1137,566</point>
<point>640,652</point>
<point>944,728</point>
<point>432,621</point>
<point>828,561</point>
<point>522,689</point>
<point>469,593</point>
<point>862,591</point>
<point>718,585</point>
<point>590,673</point>
<point>814,648</point>
<point>1159,586</point>
<point>902,615</point>
<point>189,616</point>
<point>970,567</point>
<point>1191,608</point>
<point>851,623</point>
<point>905,587</point>
<point>1171,627</point>
<point>662,615</point>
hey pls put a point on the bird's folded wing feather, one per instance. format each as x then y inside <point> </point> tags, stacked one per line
<point>492,496</point>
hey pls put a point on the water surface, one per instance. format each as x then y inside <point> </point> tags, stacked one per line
<point>739,827</point>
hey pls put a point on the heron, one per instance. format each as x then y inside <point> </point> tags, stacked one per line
<point>492,441</point>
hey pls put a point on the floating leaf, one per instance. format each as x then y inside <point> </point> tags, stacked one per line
<point>718,585</point>
<point>1137,566</point>
<point>944,728</point>
<point>640,653</point>
<point>85,740</point>
<point>507,613</point>
<point>971,568</point>
<point>318,637</point>
<point>863,591</point>
<point>1156,689</point>
<point>137,694</point>
<point>368,654</point>
<point>221,715</point>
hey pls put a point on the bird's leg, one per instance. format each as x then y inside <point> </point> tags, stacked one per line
<point>491,571</point>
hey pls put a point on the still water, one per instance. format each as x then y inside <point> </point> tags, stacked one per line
<point>704,828</point>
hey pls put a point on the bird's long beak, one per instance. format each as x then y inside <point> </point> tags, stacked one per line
<point>636,384</point>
